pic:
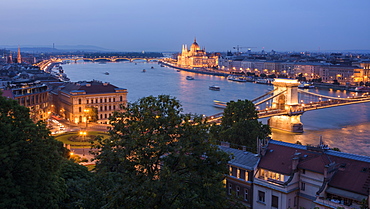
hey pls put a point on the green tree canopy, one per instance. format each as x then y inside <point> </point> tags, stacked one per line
<point>30,160</point>
<point>240,125</point>
<point>158,157</point>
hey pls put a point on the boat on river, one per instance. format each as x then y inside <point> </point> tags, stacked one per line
<point>189,77</point>
<point>238,78</point>
<point>306,85</point>
<point>106,73</point>
<point>219,104</point>
<point>214,88</point>
<point>362,89</point>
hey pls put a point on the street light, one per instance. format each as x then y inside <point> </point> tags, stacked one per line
<point>83,135</point>
<point>86,115</point>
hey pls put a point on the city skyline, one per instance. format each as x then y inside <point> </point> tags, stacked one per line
<point>166,25</point>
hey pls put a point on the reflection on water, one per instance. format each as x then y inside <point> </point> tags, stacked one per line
<point>345,127</point>
<point>351,138</point>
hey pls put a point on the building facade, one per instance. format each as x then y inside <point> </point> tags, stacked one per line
<point>72,99</point>
<point>195,57</point>
<point>297,176</point>
<point>31,94</point>
<point>239,182</point>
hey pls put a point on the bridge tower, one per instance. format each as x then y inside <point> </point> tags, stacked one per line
<point>286,98</point>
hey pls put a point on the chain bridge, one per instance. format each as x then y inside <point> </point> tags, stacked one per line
<point>285,104</point>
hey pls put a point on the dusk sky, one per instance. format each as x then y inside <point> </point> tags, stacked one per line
<point>164,25</point>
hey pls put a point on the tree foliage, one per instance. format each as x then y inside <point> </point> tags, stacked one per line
<point>158,157</point>
<point>30,160</point>
<point>240,125</point>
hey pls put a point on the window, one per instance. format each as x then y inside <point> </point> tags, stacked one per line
<point>234,171</point>
<point>237,191</point>
<point>230,187</point>
<point>274,201</point>
<point>242,174</point>
<point>114,99</point>
<point>246,194</point>
<point>261,196</point>
<point>303,186</point>
<point>120,98</point>
<point>79,101</point>
<point>87,101</point>
<point>79,109</point>
<point>303,171</point>
<point>295,201</point>
<point>101,100</point>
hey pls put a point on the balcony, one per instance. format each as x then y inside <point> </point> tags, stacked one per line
<point>334,203</point>
<point>275,184</point>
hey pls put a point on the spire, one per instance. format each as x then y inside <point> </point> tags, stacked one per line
<point>195,40</point>
<point>19,57</point>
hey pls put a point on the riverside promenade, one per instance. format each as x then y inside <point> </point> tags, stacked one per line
<point>206,71</point>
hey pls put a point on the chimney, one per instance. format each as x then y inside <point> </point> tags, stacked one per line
<point>295,161</point>
<point>329,170</point>
<point>244,148</point>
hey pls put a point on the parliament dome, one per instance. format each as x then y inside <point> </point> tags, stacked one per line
<point>194,46</point>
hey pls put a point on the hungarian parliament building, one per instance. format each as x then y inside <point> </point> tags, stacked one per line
<point>196,57</point>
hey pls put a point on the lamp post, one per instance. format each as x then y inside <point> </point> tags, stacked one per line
<point>86,115</point>
<point>83,135</point>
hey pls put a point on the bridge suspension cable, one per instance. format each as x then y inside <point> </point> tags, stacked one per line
<point>330,97</point>
<point>271,97</point>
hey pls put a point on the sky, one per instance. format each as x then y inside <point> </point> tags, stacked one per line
<point>165,25</point>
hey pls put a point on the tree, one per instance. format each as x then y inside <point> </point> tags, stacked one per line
<point>91,114</point>
<point>78,181</point>
<point>239,125</point>
<point>30,160</point>
<point>161,158</point>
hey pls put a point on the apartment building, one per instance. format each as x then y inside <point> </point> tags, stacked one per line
<point>240,180</point>
<point>32,94</point>
<point>297,176</point>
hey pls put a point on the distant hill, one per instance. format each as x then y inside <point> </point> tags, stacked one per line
<point>59,49</point>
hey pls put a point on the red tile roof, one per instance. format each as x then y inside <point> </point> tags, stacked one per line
<point>353,171</point>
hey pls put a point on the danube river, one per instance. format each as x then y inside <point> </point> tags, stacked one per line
<point>346,127</point>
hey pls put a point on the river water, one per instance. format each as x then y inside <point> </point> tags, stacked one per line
<point>346,127</point>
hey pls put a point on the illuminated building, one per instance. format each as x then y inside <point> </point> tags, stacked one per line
<point>31,94</point>
<point>196,57</point>
<point>71,99</point>
<point>297,176</point>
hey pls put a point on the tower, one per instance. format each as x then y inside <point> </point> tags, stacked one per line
<point>10,58</point>
<point>19,57</point>
<point>286,91</point>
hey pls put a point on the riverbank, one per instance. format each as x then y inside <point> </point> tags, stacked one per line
<point>334,87</point>
<point>201,71</point>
